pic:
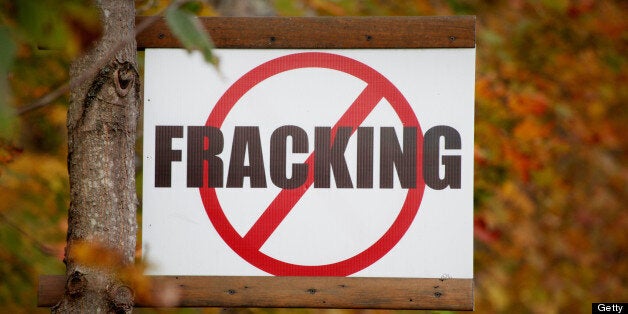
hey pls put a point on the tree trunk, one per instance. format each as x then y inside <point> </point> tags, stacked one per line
<point>102,122</point>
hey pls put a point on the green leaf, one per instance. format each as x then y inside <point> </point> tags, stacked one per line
<point>8,119</point>
<point>193,7</point>
<point>7,50</point>
<point>42,23</point>
<point>186,27</point>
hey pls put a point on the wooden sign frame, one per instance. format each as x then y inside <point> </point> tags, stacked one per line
<point>309,292</point>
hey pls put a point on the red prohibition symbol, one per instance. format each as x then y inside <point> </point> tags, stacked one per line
<point>249,246</point>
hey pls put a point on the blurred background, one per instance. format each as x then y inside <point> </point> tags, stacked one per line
<point>551,182</point>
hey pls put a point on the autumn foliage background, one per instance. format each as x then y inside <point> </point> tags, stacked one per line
<point>551,182</point>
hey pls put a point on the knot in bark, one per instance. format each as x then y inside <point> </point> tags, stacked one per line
<point>75,286</point>
<point>121,298</point>
<point>124,78</point>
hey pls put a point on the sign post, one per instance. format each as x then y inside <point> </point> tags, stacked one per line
<point>327,163</point>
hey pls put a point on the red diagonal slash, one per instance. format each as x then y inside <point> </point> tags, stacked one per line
<point>377,88</point>
<point>288,198</point>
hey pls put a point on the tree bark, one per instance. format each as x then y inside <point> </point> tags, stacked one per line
<point>102,123</point>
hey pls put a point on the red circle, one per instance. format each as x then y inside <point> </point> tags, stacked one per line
<point>410,207</point>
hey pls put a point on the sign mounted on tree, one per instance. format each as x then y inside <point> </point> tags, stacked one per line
<point>341,161</point>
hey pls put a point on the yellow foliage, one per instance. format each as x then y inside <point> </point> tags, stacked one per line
<point>99,256</point>
<point>156,7</point>
<point>33,174</point>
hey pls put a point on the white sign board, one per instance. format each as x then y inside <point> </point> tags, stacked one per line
<point>313,163</point>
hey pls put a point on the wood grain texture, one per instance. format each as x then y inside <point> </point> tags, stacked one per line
<point>324,32</point>
<point>289,292</point>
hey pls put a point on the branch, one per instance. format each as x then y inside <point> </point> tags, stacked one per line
<point>45,249</point>
<point>61,90</point>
